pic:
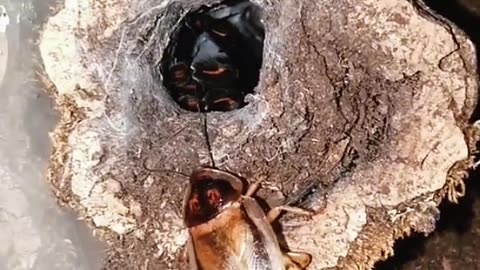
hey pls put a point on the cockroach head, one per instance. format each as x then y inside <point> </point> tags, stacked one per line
<point>209,192</point>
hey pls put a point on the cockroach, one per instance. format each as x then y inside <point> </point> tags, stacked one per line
<point>229,230</point>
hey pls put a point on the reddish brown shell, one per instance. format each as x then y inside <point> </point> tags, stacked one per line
<point>209,192</point>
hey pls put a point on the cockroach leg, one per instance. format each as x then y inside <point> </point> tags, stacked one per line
<point>289,265</point>
<point>253,188</point>
<point>273,214</point>
<point>296,260</point>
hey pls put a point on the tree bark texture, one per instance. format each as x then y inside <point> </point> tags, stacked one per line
<point>361,114</point>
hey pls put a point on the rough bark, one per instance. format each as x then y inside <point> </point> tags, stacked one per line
<point>361,113</point>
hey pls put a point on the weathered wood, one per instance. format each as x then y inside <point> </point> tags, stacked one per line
<point>361,111</point>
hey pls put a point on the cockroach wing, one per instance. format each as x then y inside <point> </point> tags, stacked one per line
<point>192,259</point>
<point>257,216</point>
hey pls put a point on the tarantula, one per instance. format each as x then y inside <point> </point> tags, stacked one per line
<point>214,58</point>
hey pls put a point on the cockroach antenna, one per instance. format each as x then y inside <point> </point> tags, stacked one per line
<point>145,167</point>
<point>207,139</point>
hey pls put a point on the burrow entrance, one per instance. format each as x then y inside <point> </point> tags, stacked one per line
<point>214,58</point>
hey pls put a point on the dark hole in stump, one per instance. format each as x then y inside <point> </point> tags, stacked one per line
<point>214,58</point>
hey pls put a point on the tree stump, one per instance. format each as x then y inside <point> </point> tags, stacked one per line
<point>361,114</point>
